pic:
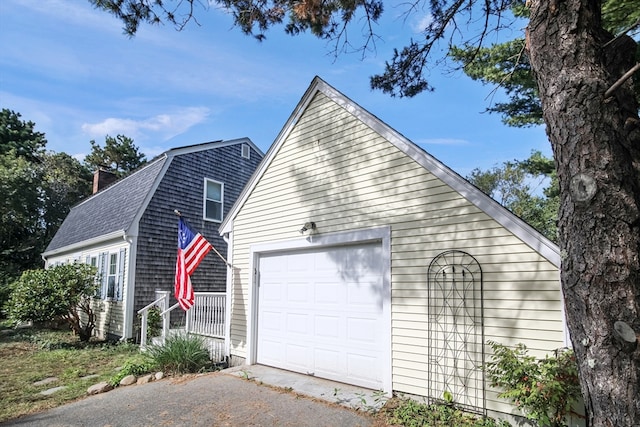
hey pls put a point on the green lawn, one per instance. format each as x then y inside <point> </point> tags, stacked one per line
<point>30,355</point>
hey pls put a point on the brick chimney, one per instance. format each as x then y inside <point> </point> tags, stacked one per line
<point>102,178</point>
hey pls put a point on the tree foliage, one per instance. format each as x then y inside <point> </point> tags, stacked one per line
<point>19,138</point>
<point>63,291</point>
<point>515,185</point>
<point>119,155</point>
<point>38,189</point>
<point>506,65</point>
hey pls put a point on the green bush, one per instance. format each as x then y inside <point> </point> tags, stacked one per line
<point>181,354</point>
<point>154,323</point>
<point>543,389</point>
<point>139,365</point>
<point>61,292</point>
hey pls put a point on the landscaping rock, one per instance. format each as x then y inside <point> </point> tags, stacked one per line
<point>159,375</point>
<point>99,388</point>
<point>52,390</point>
<point>45,381</point>
<point>88,377</point>
<point>128,380</point>
<point>145,379</point>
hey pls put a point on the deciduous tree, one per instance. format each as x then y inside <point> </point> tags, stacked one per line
<point>516,185</point>
<point>38,188</point>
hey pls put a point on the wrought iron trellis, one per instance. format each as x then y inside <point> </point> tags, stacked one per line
<point>455,331</point>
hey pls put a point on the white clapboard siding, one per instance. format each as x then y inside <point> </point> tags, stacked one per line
<point>340,173</point>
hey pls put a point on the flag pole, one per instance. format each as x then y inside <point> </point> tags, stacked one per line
<point>177,212</point>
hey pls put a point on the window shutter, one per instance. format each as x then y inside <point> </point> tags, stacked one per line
<point>121,264</point>
<point>102,274</point>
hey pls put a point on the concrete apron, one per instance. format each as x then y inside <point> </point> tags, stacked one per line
<point>331,391</point>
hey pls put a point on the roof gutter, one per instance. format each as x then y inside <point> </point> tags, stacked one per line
<point>106,237</point>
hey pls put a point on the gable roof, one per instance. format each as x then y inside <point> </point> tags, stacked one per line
<point>115,211</point>
<point>499,213</point>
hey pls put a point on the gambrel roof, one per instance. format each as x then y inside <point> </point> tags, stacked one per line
<point>114,212</point>
<point>503,216</point>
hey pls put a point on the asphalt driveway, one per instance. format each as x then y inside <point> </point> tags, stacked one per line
<point>225,398</point>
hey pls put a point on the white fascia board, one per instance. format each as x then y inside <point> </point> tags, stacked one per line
<point>503,216</point>
<point>227,224</point>
<point>90,242</point>
<point>210,145</point>
<point>500,214</point>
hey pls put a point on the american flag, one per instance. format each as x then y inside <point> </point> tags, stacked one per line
<point>192,248</point>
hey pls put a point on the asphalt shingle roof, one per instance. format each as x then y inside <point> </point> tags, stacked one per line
<point>110,210</point>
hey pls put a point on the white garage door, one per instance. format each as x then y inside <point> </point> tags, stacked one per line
<point>321,313</point>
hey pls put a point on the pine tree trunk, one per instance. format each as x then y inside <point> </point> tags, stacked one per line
<point>596,145</point>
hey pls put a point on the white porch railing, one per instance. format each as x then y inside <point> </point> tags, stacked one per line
<point>205,318</point>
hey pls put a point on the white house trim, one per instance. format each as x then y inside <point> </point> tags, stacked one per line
<point>120,234</point>
<point>377,234</point>
<point>503,216</point>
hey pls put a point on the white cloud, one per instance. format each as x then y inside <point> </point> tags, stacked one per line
<point>443,141</point>
<point>421,22</point>
<point>165,125</point>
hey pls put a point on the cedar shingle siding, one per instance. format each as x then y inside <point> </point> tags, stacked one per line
<point>182,188</point>
<point>135,218</point>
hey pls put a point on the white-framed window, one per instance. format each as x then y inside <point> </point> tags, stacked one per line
<point>246,151</point>
<point>110,274</point>
<point>213,200</point>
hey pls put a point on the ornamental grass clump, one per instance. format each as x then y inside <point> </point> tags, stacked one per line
<point>181,354</point>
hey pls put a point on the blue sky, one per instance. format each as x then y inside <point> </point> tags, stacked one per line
<point>69,68</point>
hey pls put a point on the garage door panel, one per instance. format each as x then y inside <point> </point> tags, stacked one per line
<point>326,293</point>
<point>272,321</point>
<point>331,300</point>
<point>362,330</point>
<point>326,326</point>
<point>327,361</point>
<point>298,323</point>
<point>297,292</point>
<point>360,366</point>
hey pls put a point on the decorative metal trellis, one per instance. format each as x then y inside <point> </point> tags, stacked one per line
<point>456,332</point>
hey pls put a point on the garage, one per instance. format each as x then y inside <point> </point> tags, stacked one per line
<point>321,312</point>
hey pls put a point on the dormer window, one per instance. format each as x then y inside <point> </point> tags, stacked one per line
<point>213,200</point>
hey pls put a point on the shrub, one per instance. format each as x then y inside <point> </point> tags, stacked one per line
<point>543,389</point>
<point>154,323</point>
<point>410,413</point>
<point>63,291</point>
<point>138,365</point>
<point>181,354</point>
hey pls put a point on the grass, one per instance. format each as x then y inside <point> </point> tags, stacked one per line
<point>30,355</point>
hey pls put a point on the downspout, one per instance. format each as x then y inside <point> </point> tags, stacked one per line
<point>228,238</point>
<point>129,293</point>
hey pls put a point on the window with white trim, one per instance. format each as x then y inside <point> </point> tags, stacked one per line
<point>246,151</point>
<point>110,274</point>
<point>213,200</point>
